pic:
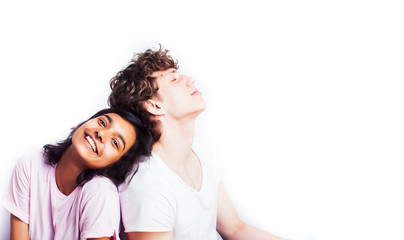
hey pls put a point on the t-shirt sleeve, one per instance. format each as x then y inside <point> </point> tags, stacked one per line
<point>18,195</point>
<point>99,209</point>
<point>147,206</point>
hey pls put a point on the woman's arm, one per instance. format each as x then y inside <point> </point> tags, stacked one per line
<point>100,209</point>
<point>150,236</point>
<point>18,229</point>
<point>101,238</point>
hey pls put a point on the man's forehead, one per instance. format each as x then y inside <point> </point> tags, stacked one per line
<point>163,73</point>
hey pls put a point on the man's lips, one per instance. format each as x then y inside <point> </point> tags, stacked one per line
<point>195,92</point>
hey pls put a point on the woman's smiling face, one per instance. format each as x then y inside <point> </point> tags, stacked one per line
<point>103,140</point>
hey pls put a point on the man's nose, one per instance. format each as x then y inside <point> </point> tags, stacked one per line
<point>189,80</point>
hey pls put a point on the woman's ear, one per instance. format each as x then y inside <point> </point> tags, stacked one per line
<point>153,107</point>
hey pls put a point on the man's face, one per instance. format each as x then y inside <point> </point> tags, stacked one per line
<point>177,94</point>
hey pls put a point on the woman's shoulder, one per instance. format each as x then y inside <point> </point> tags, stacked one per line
<point>98,189</point>
<point>98,183</point>
<point>31,160</point>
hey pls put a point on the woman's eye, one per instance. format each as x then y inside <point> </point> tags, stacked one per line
<point>102,122</point>
<point>115,143</point>
<point>175,79</point>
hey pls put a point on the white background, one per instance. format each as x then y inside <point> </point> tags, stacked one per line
<point>305,98</point>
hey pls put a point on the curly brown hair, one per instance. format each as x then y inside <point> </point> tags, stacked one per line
<point>133,85</point>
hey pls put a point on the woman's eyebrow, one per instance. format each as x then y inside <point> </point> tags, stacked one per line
<point>110,120</point>
<point>108,117</point>
<point>123,141</point>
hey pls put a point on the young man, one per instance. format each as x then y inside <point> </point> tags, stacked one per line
<point>176,193</point>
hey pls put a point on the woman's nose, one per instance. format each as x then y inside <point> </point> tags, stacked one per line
<point>100,134</point>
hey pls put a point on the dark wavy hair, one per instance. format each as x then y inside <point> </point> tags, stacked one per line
<point>119,170</point>
<point>133,85</point>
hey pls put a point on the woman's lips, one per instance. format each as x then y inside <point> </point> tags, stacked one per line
<point>91,141</point>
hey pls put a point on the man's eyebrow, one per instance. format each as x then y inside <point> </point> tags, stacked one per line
<point>110,120</point>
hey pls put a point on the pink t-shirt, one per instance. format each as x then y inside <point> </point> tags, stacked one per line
<point>90,211</point>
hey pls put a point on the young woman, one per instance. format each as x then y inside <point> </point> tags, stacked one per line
<point>69,189</point>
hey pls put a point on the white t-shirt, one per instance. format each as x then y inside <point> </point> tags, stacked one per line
<point>157,200</point>
<point>88,212</point>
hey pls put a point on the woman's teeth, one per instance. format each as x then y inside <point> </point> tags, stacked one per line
<point>92,143</point>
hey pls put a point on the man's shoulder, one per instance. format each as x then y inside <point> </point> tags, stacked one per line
<point>149,176</point>
<point>150,169</point>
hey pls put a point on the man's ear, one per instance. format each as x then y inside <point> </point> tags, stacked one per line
<point>153,107</point>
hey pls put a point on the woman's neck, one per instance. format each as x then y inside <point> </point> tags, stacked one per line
<point>67,171</point>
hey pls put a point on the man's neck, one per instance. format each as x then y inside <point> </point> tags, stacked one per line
<point>175,144</point>
<point>175,149</point>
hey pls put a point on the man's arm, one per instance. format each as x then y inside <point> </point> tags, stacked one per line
<point>230,226</point>
<point>18,229</point>
<point>150,236</point>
